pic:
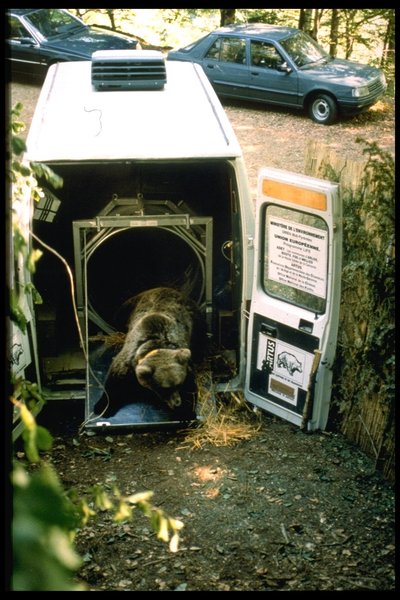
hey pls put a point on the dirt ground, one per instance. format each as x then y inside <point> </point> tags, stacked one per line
<point>276,510</point>
<point>280,510</point>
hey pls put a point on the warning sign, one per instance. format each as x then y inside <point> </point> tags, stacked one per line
<point>297,255</point>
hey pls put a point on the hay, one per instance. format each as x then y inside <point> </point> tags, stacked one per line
<point>116,338</point>
<point>225,417</point>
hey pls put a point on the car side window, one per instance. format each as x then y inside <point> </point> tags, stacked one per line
<point>228,50</point>
<point>16,29</point>
<point>214,50</point>
<point>264,55</point>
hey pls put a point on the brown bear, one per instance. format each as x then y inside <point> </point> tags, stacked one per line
<point>161,342</point>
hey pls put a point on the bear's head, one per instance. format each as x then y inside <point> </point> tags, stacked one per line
<point>164,371</point>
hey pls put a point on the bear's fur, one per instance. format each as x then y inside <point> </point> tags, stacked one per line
<point>160,344</point>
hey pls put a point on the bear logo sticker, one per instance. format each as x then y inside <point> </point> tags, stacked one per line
<point>16,353</point>
<point>289,362</point>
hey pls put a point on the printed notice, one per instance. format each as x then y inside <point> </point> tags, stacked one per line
<point>297,255</point>
<point>287,367</point>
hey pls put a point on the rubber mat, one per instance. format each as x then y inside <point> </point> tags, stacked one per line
<point>129,405</point>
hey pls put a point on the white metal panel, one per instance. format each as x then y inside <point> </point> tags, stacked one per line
<point>75,122</point>
<point>284,335</point>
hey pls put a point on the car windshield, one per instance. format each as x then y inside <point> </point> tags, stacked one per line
<point>303,50</point>
<point>53,22</point>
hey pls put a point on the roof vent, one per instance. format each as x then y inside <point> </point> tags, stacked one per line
<point>128,70</point>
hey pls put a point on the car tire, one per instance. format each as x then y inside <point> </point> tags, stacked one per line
<point>323,109</point>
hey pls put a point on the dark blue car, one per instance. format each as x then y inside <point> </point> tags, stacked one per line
<point>286,67</point>
<point>40,37</point>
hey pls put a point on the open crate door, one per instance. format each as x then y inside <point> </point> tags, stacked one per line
<point>295,297</point>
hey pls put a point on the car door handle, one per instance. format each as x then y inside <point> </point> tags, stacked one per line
<point>210,66</point>
<point>254,73</point>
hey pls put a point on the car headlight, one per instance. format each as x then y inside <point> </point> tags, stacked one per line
<point>361,91</point>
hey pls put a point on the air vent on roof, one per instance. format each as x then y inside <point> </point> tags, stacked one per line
<point>128,70</point>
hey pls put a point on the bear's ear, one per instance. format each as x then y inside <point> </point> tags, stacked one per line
<point>183,355</point>
<point>144,371</point>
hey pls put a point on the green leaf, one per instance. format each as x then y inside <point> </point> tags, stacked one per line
<point>42,170</point>
<point>25,171</point>
<point>44,558</point>
<point>18,145</point>
<point>162,532</point>
<point>124,512</point>
<point>140,497</point>
<point>175,524</point>
<point>44,438</point>
<point>19,241</point>
<point>16,312</point>
<point>18,317</point>
<point>31,289</point>
<point>30,447</point>
<point>32,259</point>
<point>30,391</point>
<point>16,109</point>
<point>174,543</point>
<point>102,499</point>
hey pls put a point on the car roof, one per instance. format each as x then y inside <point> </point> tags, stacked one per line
<point>258,30</point>
<point>21,11</point>
<point>74,122</point>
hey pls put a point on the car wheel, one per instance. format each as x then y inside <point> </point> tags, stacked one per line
<point>323,109</point>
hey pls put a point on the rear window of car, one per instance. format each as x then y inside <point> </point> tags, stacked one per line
<point>228,49</point>
<point>193,44</point>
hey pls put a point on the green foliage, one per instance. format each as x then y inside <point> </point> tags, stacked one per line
<point>166,528</point>
<point>24,188</point>
<point>365,358</point>
<point>274,16</point>
<point>16,312</point>
<point>43,556</point>
<point>46,517</point>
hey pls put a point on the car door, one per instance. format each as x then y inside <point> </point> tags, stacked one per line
<point>295,297</point>
<point>225,64</point>
<point>269,80</point>
<point>23,50</point>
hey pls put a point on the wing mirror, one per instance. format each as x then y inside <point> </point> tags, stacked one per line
<point>26,41</point>
<point>284,67</point>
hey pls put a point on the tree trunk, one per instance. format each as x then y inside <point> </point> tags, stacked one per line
<point>227,16</point>
<point>110,15</point>
<point>350,16</point>
<point>305,20</point>
<point>388,49</point>
<point>317,20</point>
<point>300,24</point>
<point>333,43</point>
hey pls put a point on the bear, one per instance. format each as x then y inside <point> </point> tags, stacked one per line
<point>289,362</point>
<point>161,346</point>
